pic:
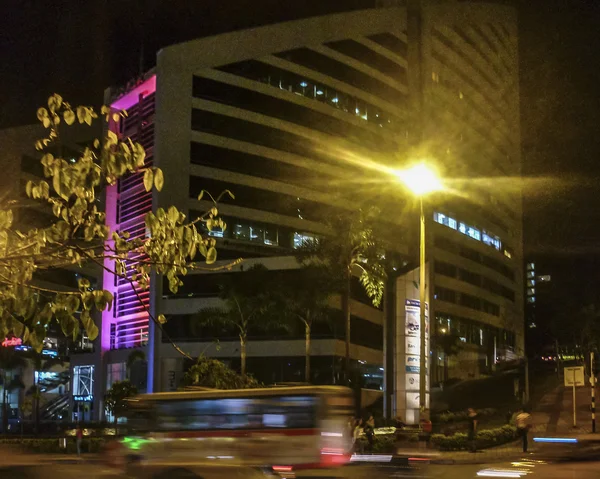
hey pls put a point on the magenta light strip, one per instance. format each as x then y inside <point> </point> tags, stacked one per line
<point>132,97</point>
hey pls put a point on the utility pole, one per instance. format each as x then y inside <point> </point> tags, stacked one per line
<point>593,383</point>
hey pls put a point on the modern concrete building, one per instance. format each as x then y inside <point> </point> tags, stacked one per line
<point>300,118</point>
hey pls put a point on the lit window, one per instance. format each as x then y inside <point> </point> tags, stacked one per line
<point>334,100</point>
<point>83,380</point>
<point>302,238</point>
<point>462,228</point>
<point>546,278</point>
<point>452,223</point>
<point>474,233</point>
<point>531,299</point>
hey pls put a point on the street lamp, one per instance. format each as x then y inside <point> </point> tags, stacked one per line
<point>421,180</point>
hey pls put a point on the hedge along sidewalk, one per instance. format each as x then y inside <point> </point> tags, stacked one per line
<point>53,445</point>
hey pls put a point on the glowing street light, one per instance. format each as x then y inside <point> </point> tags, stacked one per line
<point>421,180</point>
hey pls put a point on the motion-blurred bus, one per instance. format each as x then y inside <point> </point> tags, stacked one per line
<point>282,428</point>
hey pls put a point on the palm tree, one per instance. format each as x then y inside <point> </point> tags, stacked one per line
<point>304,297</point>
<point>246,302</point>
<point>9,362</point>
<point>352,249</point>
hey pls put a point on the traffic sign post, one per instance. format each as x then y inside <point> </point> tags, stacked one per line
<point>574,376</point>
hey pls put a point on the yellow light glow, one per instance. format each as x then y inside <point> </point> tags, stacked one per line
<point>420,179</point>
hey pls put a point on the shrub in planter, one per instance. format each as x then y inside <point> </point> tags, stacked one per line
<point>484,439</point>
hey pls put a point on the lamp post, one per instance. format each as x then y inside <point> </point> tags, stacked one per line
<point>421,180</point>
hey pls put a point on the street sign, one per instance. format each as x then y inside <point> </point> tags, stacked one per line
<point>574,376</point>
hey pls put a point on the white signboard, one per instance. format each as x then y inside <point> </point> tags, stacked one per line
<point>574,374</point>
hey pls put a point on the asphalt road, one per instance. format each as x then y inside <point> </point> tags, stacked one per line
<point>533,469</point>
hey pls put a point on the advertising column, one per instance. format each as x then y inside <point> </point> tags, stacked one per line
<point>408,348</point>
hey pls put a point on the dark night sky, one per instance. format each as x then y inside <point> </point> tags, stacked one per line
<point>52,46</point>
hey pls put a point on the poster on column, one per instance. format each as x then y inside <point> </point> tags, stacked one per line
<point>412,364</point>
<point>413,320</point>
<point>413,345</point>
<point>412,400</point>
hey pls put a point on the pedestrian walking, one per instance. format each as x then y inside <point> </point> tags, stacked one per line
<point>78,438</point>
<point>523,421</point>
<point>370,431</point>
<point>472,416</point>
<point>358,430</point>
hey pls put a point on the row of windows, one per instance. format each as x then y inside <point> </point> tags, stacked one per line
<point>473,232</point>
<point>250,132</point>
<point>207,285</point>
<point>309,88</point>
<point>468,40</point>
<point>474,255</point>
<point>390,42</point>
<point>493,82</point>
<point>468,81</point>
<point>362,332</point>
<point>364,54</point>
<point>264,200</point>
<point>473,332</point>
<point>467,300</point>
<point>288,111</point>
<point>335,69</point>
<point>464,115</point>
<point>452,271</point>
<point>254,165</point>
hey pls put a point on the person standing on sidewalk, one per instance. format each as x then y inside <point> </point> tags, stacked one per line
<point>472,416</point>
<point>523,421</point>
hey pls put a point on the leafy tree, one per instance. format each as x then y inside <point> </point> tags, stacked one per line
<point>304,298</point>
<point>212,373</point>
<point>352,248</point>
<point>246,305</point>
<point>78,233</point>
<point>115,398</point>
<point>10,362</point>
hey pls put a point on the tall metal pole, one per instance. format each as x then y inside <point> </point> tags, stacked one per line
<point>422,325</point>
<point>526,381</point>
<point>574,401</point>
<point>593,383</point>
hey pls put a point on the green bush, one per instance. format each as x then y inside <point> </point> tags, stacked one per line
<point>52,445</point>
<point>484,439</point>
<point>448,417</point>
<point>383,443</point>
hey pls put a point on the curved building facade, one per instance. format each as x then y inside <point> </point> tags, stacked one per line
<point>300,118</point>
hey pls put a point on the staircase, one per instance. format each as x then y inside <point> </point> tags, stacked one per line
<point>58,406</point>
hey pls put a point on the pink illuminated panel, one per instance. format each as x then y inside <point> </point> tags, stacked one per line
<point>126,325</point>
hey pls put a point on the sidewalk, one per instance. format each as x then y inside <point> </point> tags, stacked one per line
<point>506,452</point>
<point>553,416</point>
